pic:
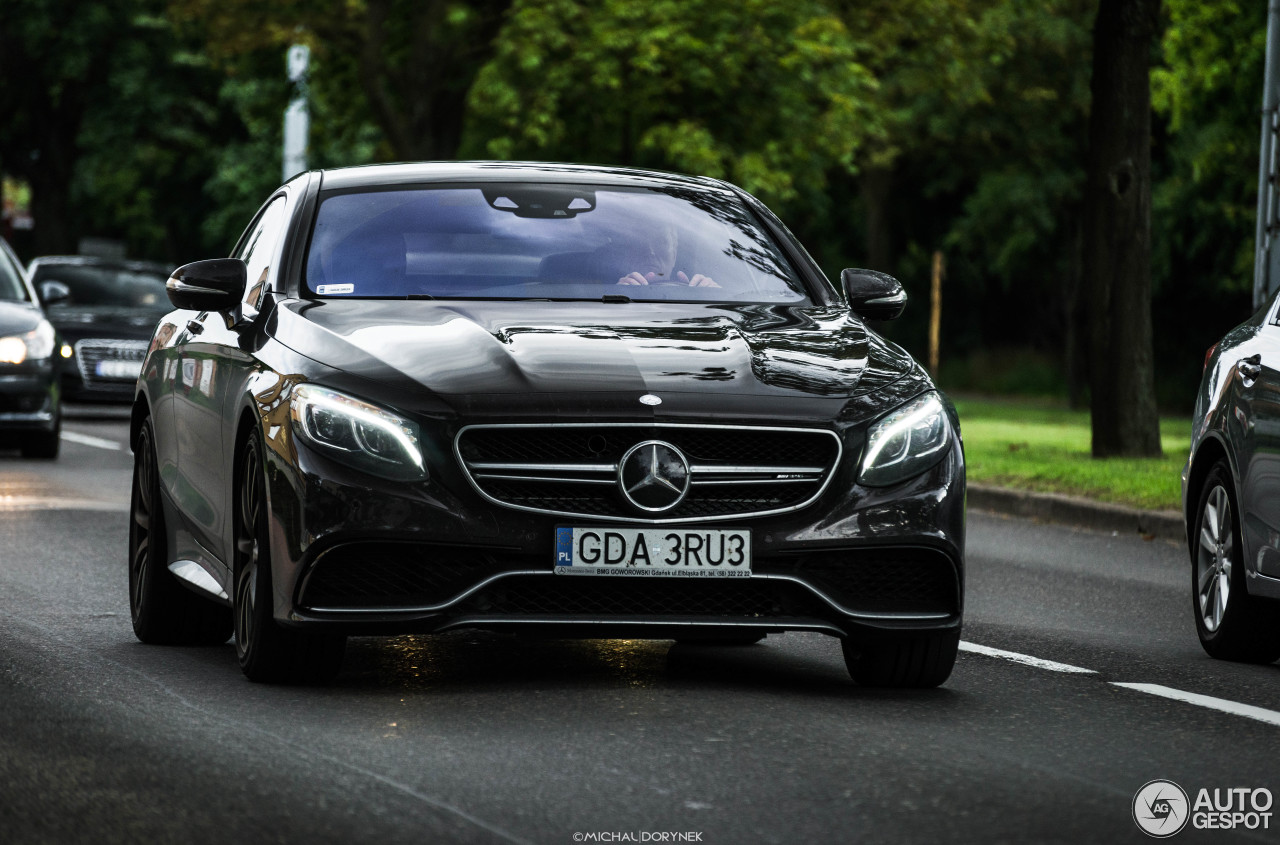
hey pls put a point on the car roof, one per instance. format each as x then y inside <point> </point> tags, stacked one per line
<point>380,175</point>
<point>95,261</point>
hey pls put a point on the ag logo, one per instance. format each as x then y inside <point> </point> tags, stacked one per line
<point>1161,808</point>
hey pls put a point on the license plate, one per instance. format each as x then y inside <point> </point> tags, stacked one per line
<point>654,552</point>
<point>119,369</point>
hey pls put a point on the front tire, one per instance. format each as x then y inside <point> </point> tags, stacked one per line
<point>1232,624</point>
<point>43,445</point>
<point>164,612</point>
<point>903,661</point>
<point>267,651</point>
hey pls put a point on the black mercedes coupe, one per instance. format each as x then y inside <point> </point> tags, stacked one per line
<point>570,400</point>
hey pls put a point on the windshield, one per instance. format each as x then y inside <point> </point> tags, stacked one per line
<point>537,241</point>
<point>11,287</point>
<point>94,285</point>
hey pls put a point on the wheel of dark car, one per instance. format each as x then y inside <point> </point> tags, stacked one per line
<point>268,652</point>
<point>909,660</point>
<point>163,611</point>
<point>44,444</point>
<point>1232,624</point>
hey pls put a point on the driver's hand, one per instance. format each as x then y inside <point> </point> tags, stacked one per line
<point>698,280</point>
<point>634,278</point>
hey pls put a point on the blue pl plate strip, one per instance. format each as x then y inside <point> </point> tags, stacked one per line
<point>564,547</point>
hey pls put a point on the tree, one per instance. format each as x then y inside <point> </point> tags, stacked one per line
<point>407,66</point>
<point>769,95</point>
<point>1117,235</point>
<point>54,57</point>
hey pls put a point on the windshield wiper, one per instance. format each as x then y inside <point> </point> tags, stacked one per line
<point>616,297</point>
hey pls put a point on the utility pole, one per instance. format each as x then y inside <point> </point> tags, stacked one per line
<point>935,312</point>
<point>297,120</point>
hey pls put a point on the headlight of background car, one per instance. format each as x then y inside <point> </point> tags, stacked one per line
<point>906,442</point>
<point>365,436</point>
<point>35,345</point>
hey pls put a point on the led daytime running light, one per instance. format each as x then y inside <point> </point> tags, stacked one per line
<point>309,398</point>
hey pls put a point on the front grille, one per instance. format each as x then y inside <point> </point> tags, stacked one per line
<point>878,580</point>
<point>390,575</point>
<point>110,362</point>
<point>600,598</point>
<point>572,469</point>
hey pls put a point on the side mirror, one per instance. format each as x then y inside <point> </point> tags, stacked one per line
<point>213,285</point>
<point>53,293</point>
<point>873,295</point>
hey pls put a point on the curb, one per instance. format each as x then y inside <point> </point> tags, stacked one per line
<point>1082,513</point>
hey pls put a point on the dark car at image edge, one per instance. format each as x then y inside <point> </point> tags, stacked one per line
<point>30,364</point>
<point>574,400</point>
<point>1231,493</point>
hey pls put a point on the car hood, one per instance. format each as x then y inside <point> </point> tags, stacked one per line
<point>76,321</point>
<point>505,347</point>
<point>18,317</point>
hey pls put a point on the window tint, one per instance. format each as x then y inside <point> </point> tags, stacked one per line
<point>107,286</point>
<point>546,241</point>
<point>11,286</point>
<point>259,249</point>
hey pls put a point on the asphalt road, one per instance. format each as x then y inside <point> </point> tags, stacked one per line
<point>473,737</point>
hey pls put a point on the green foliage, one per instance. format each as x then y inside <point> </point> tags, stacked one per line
<point>1046,448</point>
<point>771,96</point>
<point>1208,90</point>
<point>973,114</point>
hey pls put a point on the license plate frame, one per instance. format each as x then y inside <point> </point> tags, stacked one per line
<point>118,369</point>
<point>652,552</point>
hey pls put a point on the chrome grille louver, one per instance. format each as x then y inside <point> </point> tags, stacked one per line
<point>572,469</point>
<point>120,354</point>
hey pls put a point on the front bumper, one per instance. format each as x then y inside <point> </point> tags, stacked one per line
<point>375,558</point>
<point>29,397</point>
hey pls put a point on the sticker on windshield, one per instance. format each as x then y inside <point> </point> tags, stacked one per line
<point>325,290</point>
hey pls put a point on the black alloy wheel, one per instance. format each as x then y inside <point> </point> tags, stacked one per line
<point>902,661</point>
<point>1232,624</point>
<point>268,652</point>
<point>164,612</point>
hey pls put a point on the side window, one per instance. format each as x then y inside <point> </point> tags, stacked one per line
<point>258,250</point>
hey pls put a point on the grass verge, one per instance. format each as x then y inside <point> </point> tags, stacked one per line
<point>1034,446</point>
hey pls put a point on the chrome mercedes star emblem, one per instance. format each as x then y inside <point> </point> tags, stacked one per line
<point>650,399</point>
<point>653,476</point>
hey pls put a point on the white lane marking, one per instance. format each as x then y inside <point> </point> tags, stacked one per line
<point>1271,717</point>
<point>55,503</point>
<point>1025,659</point>
<point>87,440</point>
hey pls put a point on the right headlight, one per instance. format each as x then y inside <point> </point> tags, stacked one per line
<point>35,345</point>
<point>365,436</point>
<point>906,442</point>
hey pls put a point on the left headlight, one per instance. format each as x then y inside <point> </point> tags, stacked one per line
<point>35,345</point>
<point>357,433</point>
<point>906,442</point>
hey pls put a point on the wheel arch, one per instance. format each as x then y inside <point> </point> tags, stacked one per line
<point>1210,452</point>
<point>140,411</point>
